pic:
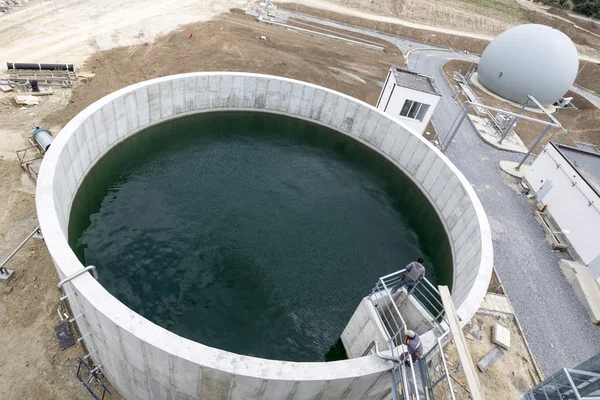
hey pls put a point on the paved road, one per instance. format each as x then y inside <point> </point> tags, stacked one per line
<point>591,97</point>
<point>554,321</point>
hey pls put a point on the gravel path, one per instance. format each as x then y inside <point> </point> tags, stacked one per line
<point>555,323</point>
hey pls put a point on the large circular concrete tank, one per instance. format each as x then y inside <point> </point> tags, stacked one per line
<point>532,60</point>
<point>145,361</point>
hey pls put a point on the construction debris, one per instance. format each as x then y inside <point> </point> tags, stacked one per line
<point>489,359</point>
<point>27,100</point>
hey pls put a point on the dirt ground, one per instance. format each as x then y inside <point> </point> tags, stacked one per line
<point>31,364</point>
<point>232,43</point>
<point>582,123</point>
<point>588,77</point>
<point>509,377</point>
<point>480,16</point>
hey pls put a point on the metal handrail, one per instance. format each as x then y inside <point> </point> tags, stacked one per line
<point>394,324</point>
<point>78,273</point>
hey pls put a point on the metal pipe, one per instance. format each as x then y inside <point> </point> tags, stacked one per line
<point>76,274</point>
<point>19,248</point>
<point>513,122</point>
<point>539,139</point>
<point>383,356</point>
<point>526,118</point>
<point>41,67</point>
<point>451,136</point>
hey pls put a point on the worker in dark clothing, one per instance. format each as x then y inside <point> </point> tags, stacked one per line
<point>414,271</point>
<point>412,341</point>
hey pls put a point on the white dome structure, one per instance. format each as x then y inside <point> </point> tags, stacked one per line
<point>532,60</point>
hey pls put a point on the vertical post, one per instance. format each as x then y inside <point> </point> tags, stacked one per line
<point>510,126</point>
<point>538,140</point>
<point>451,135</point>
<point>564,136</point>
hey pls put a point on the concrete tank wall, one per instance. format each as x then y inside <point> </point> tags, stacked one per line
<point>145,361</point>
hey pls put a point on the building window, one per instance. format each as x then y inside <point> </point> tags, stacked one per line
<point>414,110</point>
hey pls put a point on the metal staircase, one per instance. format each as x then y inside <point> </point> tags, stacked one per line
<point>426,378</point>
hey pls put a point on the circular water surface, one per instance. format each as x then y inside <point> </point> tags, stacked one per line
<point>251,232</point>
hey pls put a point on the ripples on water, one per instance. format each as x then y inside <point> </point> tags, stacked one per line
<point>253,233</point>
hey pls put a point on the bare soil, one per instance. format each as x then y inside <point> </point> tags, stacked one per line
<point>509,377</point>
<point>581,123</point>
<point>31,364</point>
<point>589,44</point>
<point>481,16</point>
<point>232,43</point>
<point>421,35</point>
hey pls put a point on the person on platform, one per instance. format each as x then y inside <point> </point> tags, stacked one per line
<point>412,341</point>
<point>414,272</point>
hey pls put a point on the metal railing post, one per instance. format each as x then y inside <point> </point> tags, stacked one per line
<point>537,141</point>
<point>460,121</point>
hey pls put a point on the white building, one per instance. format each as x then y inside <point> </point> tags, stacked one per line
<point>567,180</point>
<point>409,97</point>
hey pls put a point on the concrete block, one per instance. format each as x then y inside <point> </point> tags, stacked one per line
<point>154,98</point>
<point>189,94</point>
<point>120,114</point>
<point>381,132</point>
<point>6,277</point>
<point>489,359</point>
<point>110,126</point>
<point>215,384</point>
<point>202,92</point>
<point>260,100</point>
<point>143,106</point>
<point>388,140</point>
<point>178,96</point>
<point>317,105</point>
<point>433,173</point>
<point>585,287</point>
<point>399,145</point>
<point>337,117</point>
<point>417,157</point>
<point>306,102</point>
<point>349,118</point>
<point>501,336</point>
<point>296,94</point>
<point>309,390</point>
<point>246,388</point>
<point>131,112</point>
<point>425,165</point>
<point>370,125</point>
<point>329,109</point>
<point>278,389</point>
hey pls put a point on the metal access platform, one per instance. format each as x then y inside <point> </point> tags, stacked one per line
<point>419,309</point>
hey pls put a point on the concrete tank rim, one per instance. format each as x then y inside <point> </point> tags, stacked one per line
<point>196,352</point>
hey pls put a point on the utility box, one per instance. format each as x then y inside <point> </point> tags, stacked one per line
<point>409,97</point>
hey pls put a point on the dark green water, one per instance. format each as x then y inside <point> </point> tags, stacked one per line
<point>253,233</point>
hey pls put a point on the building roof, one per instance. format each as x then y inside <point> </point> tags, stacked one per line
<point>415,81</point>
<point>585,162</point>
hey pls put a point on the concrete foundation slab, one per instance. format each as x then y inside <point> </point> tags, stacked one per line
<point>489,359</point>
<point>510,168</point>
<point>491,136</point>
<point>501,336</point>
<point>584,286</point>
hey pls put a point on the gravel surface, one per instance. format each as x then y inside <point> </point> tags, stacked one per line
<point>555,323</point>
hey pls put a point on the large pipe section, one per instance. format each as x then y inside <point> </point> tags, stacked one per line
<point>42,137</point>
<point>41,67</point>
